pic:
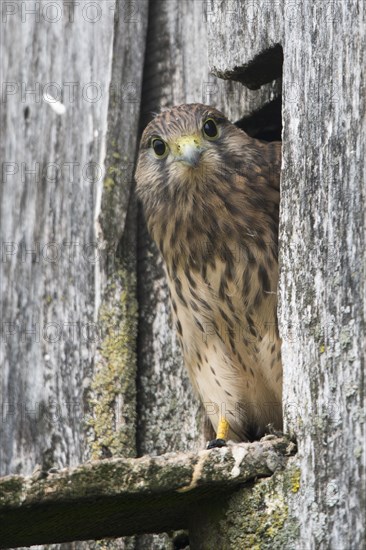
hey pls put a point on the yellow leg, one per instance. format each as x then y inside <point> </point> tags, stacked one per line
<point>222,429</point>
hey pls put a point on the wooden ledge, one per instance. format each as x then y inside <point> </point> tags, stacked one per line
<point>125,496</point>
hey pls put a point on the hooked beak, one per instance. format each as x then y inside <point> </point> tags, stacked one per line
<point>188,150</point>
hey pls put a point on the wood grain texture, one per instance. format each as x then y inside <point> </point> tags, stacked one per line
<point>322,285</point>
<point>51,176</point>
<point>113,388</point>
<point>69,388</point>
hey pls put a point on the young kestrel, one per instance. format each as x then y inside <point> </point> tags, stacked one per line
<point>211,196</point>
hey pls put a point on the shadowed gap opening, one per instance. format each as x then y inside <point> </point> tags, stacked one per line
<point>264,123</point>
<point>264,67</point>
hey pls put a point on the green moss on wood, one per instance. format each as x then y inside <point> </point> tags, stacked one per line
<point>255,517</point>
<point>109,183</point>
<point>114,385</point>
<point>295,480</point>
<point>260,513</point>
<point>11,491</point>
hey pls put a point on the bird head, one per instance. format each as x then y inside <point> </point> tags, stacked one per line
<point>184,149</point>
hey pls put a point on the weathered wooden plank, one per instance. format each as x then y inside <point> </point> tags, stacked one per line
<point>113,388</point>
<point>322,285</point>
<point>55,74</point>
<point>124,496</point>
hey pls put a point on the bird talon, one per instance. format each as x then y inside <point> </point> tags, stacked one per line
<point>216,444</point>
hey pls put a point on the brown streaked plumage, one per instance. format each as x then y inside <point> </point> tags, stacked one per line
<point>211,204</point>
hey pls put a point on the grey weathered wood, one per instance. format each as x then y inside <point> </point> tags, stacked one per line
<point>322,245</point>
<point>74,398</point>
<point>240,32</point>
<point>322,286</point>
<point>113,395</point>
<point>113,389</point>
<point>48,296</point>
<point>124,496</point>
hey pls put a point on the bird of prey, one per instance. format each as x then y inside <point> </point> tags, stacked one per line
<point>210,195</point>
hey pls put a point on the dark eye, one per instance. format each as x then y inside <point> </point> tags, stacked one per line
<point>210,128</point>
<point>159,147</point>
